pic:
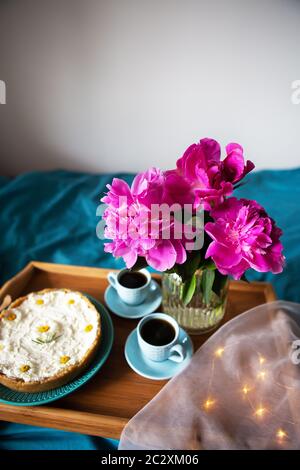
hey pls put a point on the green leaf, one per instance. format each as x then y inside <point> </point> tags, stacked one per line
<point>208,277</point>
<point>189,287</point>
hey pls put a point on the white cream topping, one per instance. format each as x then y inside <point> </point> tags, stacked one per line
<point>46,333</point>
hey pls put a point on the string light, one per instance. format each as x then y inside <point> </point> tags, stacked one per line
<point>260,412</point>
<point>246,389</point>
<point>262,360</point>
<point>219,352</point>
<point>209,403</point>
<point>281,435</point>
<point>262,375</point>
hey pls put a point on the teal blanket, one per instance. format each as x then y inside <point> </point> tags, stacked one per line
<point>52,217</point>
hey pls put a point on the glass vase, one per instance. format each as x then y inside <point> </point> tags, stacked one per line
<point>197,316</point>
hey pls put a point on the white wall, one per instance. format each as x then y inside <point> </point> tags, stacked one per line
<point>109,85</point>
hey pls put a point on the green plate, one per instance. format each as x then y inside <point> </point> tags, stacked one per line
<point>12,397</point>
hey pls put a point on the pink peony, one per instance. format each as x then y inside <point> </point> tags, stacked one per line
<point>148,187</point>
<point>156,187</point>
<point>142,221</point>
<point>211,179</point>
<point>131,225</point>
<point>233,167</point>
<point>244,237</point>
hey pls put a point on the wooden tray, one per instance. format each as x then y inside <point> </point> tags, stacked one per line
<point>104,405</point>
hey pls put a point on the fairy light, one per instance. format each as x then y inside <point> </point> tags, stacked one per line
<point>281,435</point>
<point>262,375</point>
<point>262,360</point>
<point>209,403</point>
<point>260,411</point>
<point>219,352</point>
<point>246,389</point>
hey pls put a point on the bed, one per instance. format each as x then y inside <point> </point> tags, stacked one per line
<point>51,216</point>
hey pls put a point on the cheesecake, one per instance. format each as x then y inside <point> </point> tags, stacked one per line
<point>47,338</point>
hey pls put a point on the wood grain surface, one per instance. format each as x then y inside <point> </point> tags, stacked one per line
<point>104,405</point>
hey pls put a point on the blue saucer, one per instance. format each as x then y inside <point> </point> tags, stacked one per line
<point>156,370</point>
<point>117,306</point>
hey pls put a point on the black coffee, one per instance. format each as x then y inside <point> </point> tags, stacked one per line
<point>133,280</point>
<point>158,332</point>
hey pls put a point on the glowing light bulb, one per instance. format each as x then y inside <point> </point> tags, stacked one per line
<point>209,403</point>
<point>246,389</point>
<point>281,434</point>
<point>262,360</point>
<point>219,352</point>
<point>262,375</point>
<point>260,412</point>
